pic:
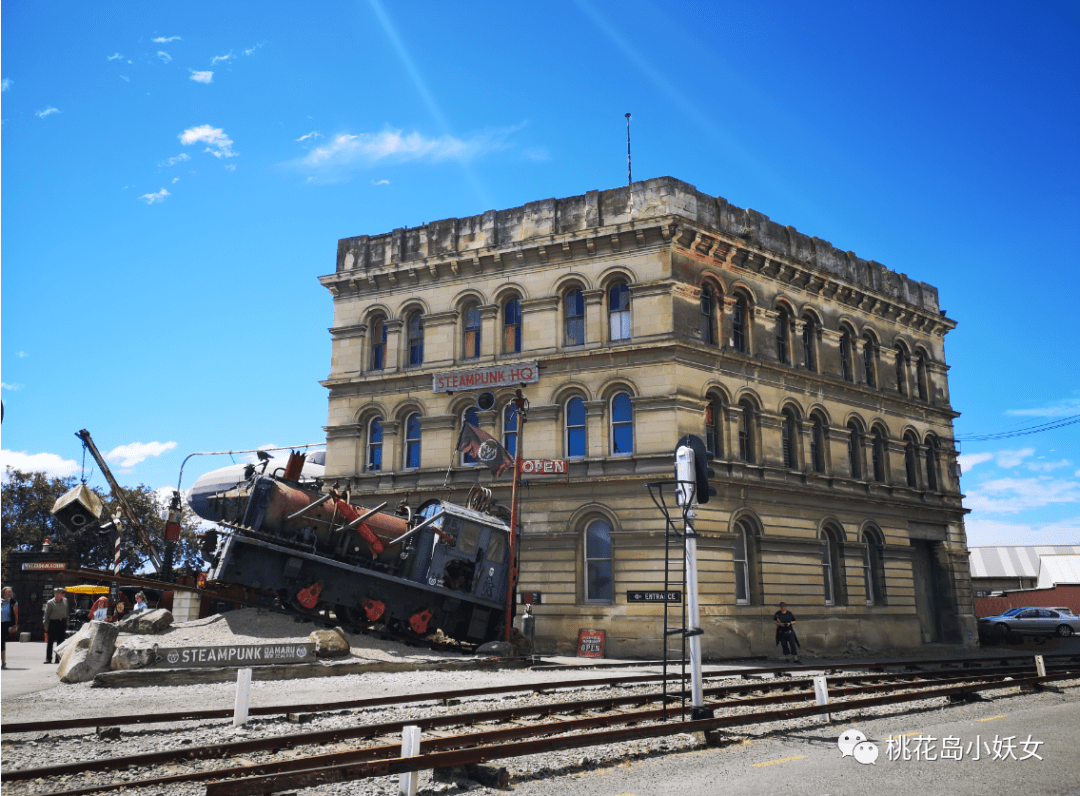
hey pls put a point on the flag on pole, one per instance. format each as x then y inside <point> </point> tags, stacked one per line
<point>485,449</point>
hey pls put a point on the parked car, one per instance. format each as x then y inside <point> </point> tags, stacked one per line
<point>1030,621</point>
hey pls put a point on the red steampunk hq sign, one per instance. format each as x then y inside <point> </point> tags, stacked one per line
<point>502,376</point>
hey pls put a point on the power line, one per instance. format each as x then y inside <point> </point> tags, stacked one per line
<point>1049,425</point>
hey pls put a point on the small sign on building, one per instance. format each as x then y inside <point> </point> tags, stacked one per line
<point>590,644</point>
<point>672,596</point>
<point>32,566</point>
<point>480,378</point>
<point>543,466</point>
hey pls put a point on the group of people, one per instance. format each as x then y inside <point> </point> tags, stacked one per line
<point>56,615</point>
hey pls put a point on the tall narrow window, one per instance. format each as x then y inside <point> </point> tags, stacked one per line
<point>740,320</point>
<point>747,437</point>
<point>832,567</point>
<point>412,441</point>
<point>870,362</point>
<point>873,570</point>
<point>575,318</point>
<point>827,571</point>
<point>879,451</point>
<point>599,587</point>
<point>809,340</point>
<point>708,317</point>
<point>622,425</point>
<point>920,378</point>
<point>576,440</point>
<point>619,311</point>
<point>374,446</point>
<point>472,331</point>
<point>416,338</point>
<point>714,428</point>
<point>378,343</point>
<point>854,451</point>
<point>470,417</point>
<point>742,564</point>
<point>846,369</point>
<point>817,445</point>
<point>512,326</point>
<point>783,330</point>
<point>931,465</point>
<point>788,434</point>
<point>901,371</point>
<point>911,462</point>
<point>510,429</point>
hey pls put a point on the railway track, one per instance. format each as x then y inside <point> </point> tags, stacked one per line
<point>630,709</point>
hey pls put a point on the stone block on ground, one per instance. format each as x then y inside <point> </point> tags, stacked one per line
<point>330,643</point>
<point>80,639</point>
<point>132,657</point>
<point>147,622</point>
<point>489,776</point>
<point>496,649</point>
<point>81,663</point>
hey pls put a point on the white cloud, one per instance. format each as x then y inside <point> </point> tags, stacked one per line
<point>175,180</point>
<point>1047,467</point>
<point>230,167</point>
<point>250,50</point>
<point>1013,458</point>
<point>6,83</point>
<point>1062,407</point>
<point>175,159</point>
<point>219,144</point>
<point>114,57</point>
<point>48,463</point>
<point>969,460</point>
<point>23,355</point>
<point>1011,495</point>
<point>202,77</point>
<point>313,134</point>
<point>987,532</point>
<point>132,454</point>
<point>163,40</point>
<point>152,198</point>
<point>47,112</point>
<point>164,56</point>
<point>6,386</point>
<point>380,182</point>
<point>226,57</point>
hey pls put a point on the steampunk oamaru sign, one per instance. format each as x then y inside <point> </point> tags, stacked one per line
<point>234,655</point>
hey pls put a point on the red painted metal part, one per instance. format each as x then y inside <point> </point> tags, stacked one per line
<point>373,542</point>
<point>419,621</point>
<point>373,609</point>
<point>295,465</point>
<point>309,597</point>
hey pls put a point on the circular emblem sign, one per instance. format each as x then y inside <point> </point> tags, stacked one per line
<point>489,451</point>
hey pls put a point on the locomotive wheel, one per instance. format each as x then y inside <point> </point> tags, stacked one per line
<point>351,616</point>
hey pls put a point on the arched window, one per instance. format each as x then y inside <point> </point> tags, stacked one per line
<point>708,316</point>
<point>870,361</point>
<point>783,337</point>
<point>412,441</point>
<point>901,370</point>
<point>789,440</point>
<point>469,416</point>
<point>879,452</point>
<point>577,443</point>
<point>714,427</point>
<point>574,309</point>
<point>744,556</point>
<point>415,332</point>
<point>619,311</point>
<point>817,445</point>
<point>855,450</point>
<point>622,425</point>
<point>747,432</point>
<point>847,369</point>
<point>809,343</point>
<point>512,326</point>
<point>472,331</point>
<point>911,460</point>
<point>378,343</point>
<point>740,325</point>
<point>832,566</point>
<point>873,569</point>
<point>599,586</point>
<point>931,464</point>
<point>374,446</point>
<point>921,382</point>
<point>510,429</point>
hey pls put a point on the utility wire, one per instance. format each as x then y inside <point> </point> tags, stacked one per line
<point>1049,425</point>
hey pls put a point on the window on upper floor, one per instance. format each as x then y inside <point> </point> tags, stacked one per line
<point>847,368</point>
<point>378,343</point>
<point>911,461</point>
<point>870,362</point>
<point>879,450</point>
<point>412,441</point>
<point>901,370</point>
<point>747,432</point>
<point>622,425</point>
<point>714,427</point>
<point>783,337</point>
<point>740,325</point>
<point>415,332</point>
<point>921,378</point>
<point>817,444</point>
<point>809,342</point>
<point>374,446</point>
<point>855,451</point>
<point>789,436</point>
<point>577,446</point>
<point>472,326</point>
<point>932,464</point>
<point>619,311</point>
<point>707,328</point>
<point>510,428</point>
<point>574,314</point>
<point>512,326</point>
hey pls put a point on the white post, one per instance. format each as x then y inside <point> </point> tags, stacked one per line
<point>685,487</point>
<point>1040,666</point>
<point>410,747</point>
<point>821,691</point>
<point>243,687</point>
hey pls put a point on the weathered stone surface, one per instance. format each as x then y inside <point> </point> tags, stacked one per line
<point>496,649</point>
<point>80,639</point>
<point>329,643</point>
<point>520,642</point>
<point>131,658</point>
<point>147,622</point>
<point>81,663</point>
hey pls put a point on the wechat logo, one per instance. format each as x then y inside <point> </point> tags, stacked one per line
<point>854,744</point>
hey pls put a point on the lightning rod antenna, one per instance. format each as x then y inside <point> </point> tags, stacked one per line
<point>629,175</point>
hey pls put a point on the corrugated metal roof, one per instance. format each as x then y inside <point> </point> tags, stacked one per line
<point>1058,569</point>
<point>1014,561</point>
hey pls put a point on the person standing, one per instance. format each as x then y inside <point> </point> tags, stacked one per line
<point>56,616</point>
<point>140,602</point>
<point>100,611</point>
<point>785,633</point>
<point>10,622</point>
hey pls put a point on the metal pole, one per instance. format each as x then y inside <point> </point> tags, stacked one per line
<point>629,175</point>
<point>686,487</point>
<point>515,497</point>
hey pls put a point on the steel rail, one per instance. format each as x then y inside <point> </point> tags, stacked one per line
<point>434,696</point>
<point>432,745</point>
<point>400,765</point>
<point>455,719</point>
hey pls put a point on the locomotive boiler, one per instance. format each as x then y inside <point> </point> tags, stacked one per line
<point>444,567</point>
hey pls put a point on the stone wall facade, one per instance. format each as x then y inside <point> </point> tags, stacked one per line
<point>817,379</point>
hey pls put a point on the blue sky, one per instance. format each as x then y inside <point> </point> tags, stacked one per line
<point>174,178</point>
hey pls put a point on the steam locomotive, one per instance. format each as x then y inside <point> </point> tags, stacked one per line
<point>444,567</point>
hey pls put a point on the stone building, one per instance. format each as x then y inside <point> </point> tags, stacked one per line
<point>634,316</point>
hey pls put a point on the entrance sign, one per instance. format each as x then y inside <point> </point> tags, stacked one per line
<point>499,376</point>
<point>543,466</point>
<point>673,596</point>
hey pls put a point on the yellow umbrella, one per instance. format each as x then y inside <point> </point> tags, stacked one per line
<point>87,589</point>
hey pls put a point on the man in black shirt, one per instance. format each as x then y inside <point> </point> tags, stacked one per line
<point>785,632</point>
